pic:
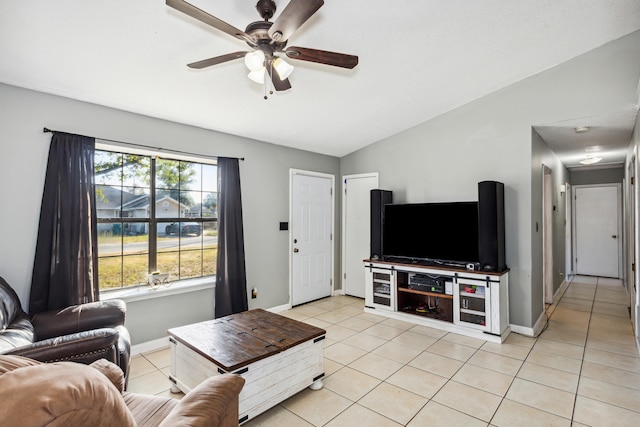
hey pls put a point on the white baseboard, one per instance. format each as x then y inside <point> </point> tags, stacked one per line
<point>150,346</point>
<point>563,287</point>
<point>531,332</point>
<point>279,308</point>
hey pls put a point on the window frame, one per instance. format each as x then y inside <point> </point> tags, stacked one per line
<point>152,221</point>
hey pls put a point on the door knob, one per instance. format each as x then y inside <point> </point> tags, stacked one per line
<point>295,240</point>
<point>614,236</point>
<point>295,250</point>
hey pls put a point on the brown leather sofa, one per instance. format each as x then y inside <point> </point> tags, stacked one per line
<point>71,394</point>
<point>81,333</point>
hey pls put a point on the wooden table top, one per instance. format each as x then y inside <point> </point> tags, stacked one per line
<point>240,339</point>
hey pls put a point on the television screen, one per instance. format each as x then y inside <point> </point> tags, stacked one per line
<point>439,232</point>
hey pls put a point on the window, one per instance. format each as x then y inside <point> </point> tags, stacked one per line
<point>154,214</point>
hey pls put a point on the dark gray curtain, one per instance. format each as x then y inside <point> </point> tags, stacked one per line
<point>65,270</point>
<point>231,277</point>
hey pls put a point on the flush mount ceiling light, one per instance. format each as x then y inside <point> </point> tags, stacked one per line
<point>581,129</point>
<point>590,160</point>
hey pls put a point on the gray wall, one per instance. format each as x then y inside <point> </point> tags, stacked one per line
<point>490,139</point>
<point>541,154</point>
<point>265,187</point>
<point>598,176</point>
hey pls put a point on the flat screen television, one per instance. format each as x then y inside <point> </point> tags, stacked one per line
<point>441,233</point>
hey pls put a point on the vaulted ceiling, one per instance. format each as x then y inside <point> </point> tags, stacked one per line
<point>417,59</point>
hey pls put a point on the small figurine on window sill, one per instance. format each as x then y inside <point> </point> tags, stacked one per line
<point>157,279</point>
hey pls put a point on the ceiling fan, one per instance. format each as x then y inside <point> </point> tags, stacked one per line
<point>268,39</point>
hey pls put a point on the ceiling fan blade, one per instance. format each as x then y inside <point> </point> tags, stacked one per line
<point>202,16</point>
<point>278,83</point>
<point>322,57</point>
<point>292,17</point>
<point>217,60</point>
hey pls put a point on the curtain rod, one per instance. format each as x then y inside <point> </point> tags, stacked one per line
<point>148,147</point>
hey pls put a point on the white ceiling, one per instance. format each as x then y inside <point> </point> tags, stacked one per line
<point>418,59</point>
<point>607,137</point>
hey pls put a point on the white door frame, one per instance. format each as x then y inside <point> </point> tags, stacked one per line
<point>631,240</point>
<point>292,173</point>
<point>568,188</point>
<point>343,222</point>
<point>547,234</point>
<point>619,231</point>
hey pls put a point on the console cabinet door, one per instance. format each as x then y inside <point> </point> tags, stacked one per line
<point>380,288</point>
<point>472,304</point>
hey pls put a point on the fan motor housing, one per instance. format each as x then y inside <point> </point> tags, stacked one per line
<point>259,32</point>
<point>266,8</point>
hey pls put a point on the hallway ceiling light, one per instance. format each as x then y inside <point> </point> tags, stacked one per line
<point>590,160</point>
<point>582,129</point>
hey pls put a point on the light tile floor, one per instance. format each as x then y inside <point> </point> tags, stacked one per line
<point>583,370</point>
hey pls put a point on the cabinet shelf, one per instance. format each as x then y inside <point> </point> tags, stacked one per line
<point>431,294</point>
<point>378,294</point>
<point>475,312</point>
<point>437,316</point>
<point>472,295</point>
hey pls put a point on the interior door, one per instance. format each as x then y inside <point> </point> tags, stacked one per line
<point>311,234</point>
<point>356,230</point>
<point>597,226</point>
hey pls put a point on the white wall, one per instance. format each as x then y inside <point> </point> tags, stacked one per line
<point>264,175</point>
<point>490,139</point>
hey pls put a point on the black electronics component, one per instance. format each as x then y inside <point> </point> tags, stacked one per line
<point>427,283</point>
<point>491,235</point>
<point>379,198</point>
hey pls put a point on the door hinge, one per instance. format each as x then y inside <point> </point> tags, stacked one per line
<point>633,267</point>
<point>330,236</point>
<point>345,276</point>
<point>633,180</point>
<point>331,191</point>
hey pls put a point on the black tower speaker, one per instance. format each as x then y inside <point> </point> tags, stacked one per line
<point>379,198</point>
<point>491,247</point>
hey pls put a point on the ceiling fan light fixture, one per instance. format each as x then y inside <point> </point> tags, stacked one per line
<point>254,60</point>
<point>257,76</point>
<point>590,160</point>
<point>284,69</point>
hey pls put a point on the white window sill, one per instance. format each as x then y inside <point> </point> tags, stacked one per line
<point>145,292</point>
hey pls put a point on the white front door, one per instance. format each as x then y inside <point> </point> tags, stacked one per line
<point>597,226</point>
<point>311,236</point>
<point>356,230</point>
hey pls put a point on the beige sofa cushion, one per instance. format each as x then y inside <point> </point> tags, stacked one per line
<point>58,394</point>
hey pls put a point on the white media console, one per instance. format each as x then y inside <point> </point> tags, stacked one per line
<point>471,303</point>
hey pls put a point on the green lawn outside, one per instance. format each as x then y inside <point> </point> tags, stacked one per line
<point>134,267</point>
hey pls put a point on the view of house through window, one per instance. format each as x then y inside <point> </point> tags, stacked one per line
<point>154,215</point>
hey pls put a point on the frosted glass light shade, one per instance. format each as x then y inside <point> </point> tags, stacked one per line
<point>254,60</point>
<point>257,76</point>
<point>590,160</point>
<point>283,68</point>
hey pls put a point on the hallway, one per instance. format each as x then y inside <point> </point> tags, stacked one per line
<point>592,320</point>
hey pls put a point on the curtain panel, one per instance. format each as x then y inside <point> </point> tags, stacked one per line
<point>231,277</point>
<point>65,270</point>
